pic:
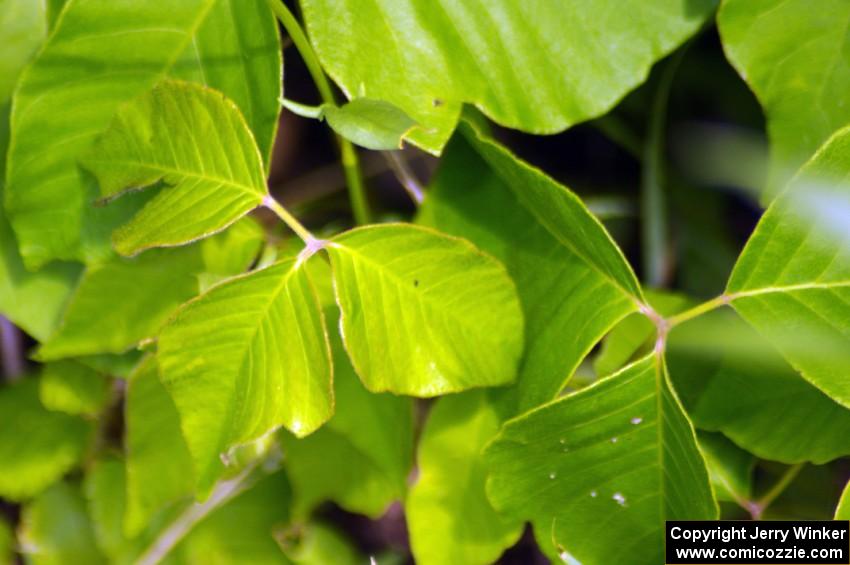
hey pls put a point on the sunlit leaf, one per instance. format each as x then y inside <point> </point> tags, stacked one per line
<point>317,544</point>
<point>37,446</point>
<point>360,460</point>
<point>423,313</point>
<point>193,141</point>
<point>571,280</point>
<point>792,281</point>
<point>102,54</point>
<point>429,59</point>
<point>448,514</point>
<point>73,388</point>
<point>620,452</point>
<point>245,358</point>
<point>793,58</point>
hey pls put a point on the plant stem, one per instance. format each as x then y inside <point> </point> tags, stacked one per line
<point>348,154</point>
<point>11,350</point>
<point>405,176</point>
<point>758,507</point>
<point>171,536</point>
<point>698,310</point>
<point>306,236</point>
<point>654,230</point>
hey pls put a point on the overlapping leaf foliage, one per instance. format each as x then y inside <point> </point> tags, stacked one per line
<point>207,388</point>
<point>436,56</point>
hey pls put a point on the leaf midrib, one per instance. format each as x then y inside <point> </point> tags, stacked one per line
<point>248,189</point>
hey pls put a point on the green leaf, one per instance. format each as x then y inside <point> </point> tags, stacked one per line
<point>843,510</point>
<point>792,281</point>
<point>101,55</point>
<point>23,26</point>
<point>241,531</point>
<point>56,529</point>
<point>318,544</point>
<point>568,298</point>
<point>122,302</point>
<point>793,58</point>
<point>7,543</point>
<point>237,51</point>
<point>449,517</point>
<point>373,124</point>
<point>730,468</point>
<point>32,300</point>
<point>231,252</point>
<point>360,460</point>
<point>73,388</point>
<point>195,142</point>
<point>731,380</point>
<point>428,59</point>
<point>245,358</point>
<point>604,467</point>
<point>159,466</point>
<point>104,488</point>
<point>37,446</point>
<point>636,331</point>
<point>423,313</point>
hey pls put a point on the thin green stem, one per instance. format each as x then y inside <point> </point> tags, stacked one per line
<point>289,220</point>
<point>305,48</point>
<point>698,310</point>
<point>303,110</point>
<point>654,230</point>
<point>348,154</point>
<point>354,179</point>
<point>759,506</point>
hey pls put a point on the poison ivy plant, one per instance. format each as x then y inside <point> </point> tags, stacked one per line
<point>451,485</point>
<point>436,57</point>
<point>207,359</point>
<point>792,281</point>
<point>602,468</point>
<point>101,55</point>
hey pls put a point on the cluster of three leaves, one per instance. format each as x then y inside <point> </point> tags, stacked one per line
<point>545,455</point>
<point>422,313</point>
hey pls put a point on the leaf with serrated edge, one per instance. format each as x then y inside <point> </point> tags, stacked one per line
<point>604,467</point>
<point>423,313</point>
<point>795,61</point>
<point>569,302</point>
<point>792,281</point>
<point>245,358</point>
<point>100,55</point>
<point>428,58</point>
<point>196,143</point>
<point>448,514</point>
